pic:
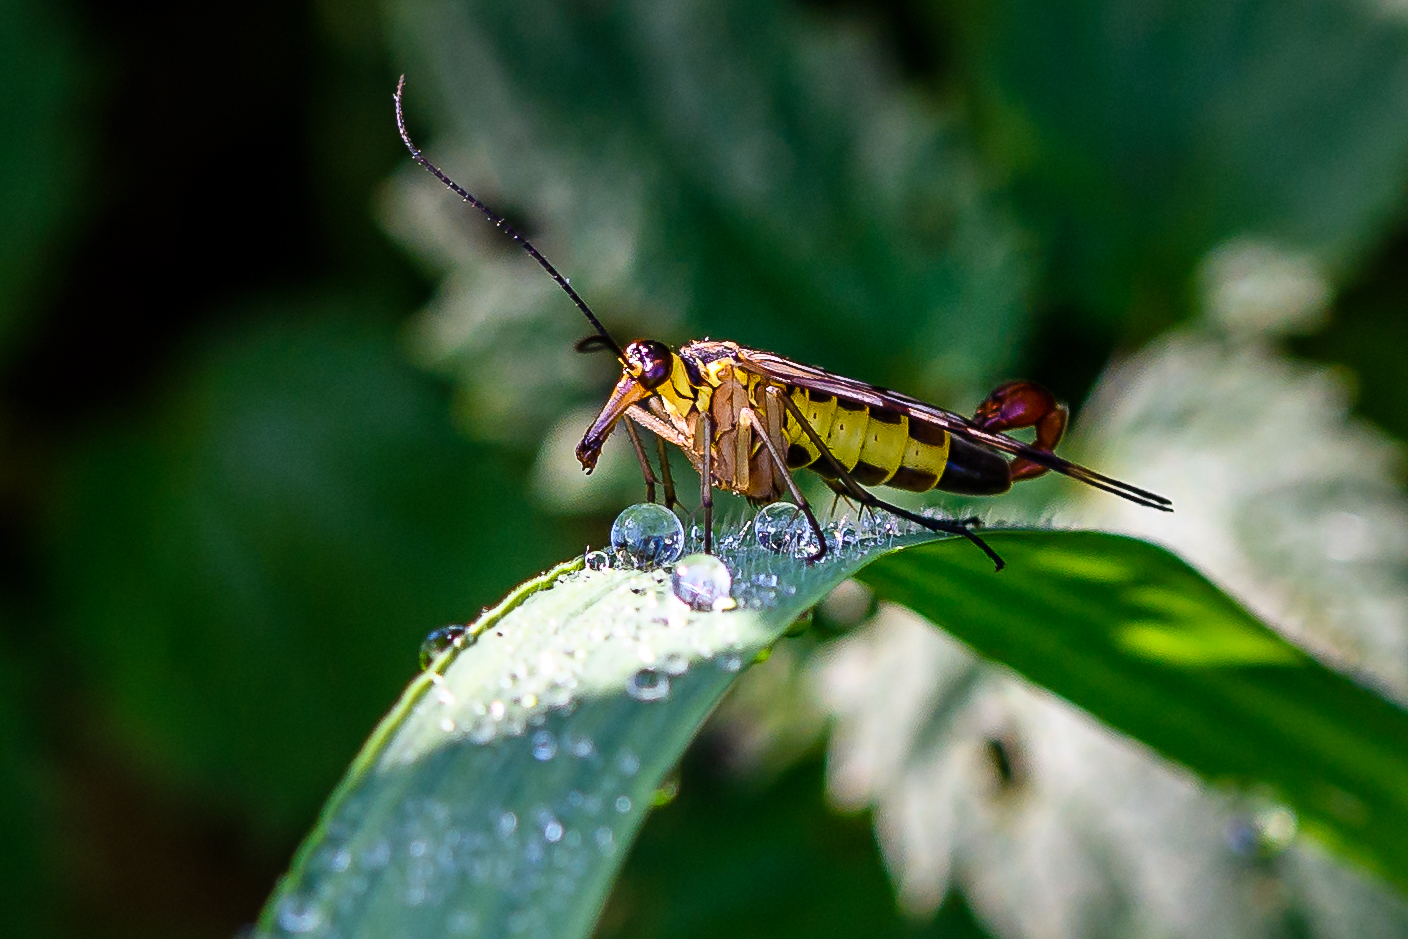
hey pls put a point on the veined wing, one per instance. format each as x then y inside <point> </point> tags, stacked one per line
<point>785,370</point>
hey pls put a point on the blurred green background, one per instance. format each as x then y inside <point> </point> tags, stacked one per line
<point>273,406</point>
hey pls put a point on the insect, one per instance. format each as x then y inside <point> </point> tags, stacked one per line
<point>747,418</point>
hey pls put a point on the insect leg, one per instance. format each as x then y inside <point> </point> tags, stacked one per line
<point>865,498</point>
<point>665,478</point>
<point>706,480</point>
<point>645,469</point>
<point>751,416</point>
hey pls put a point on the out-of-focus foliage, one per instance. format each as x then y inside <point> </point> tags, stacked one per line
<point>227,510</point>
<point>1142,134</point>
<point>40,156</point>
<point>298,473</point>
<point>735,169</point>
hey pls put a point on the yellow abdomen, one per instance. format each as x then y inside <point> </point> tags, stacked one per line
<point>876,446</point>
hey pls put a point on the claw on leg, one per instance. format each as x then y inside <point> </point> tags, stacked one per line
<point>1019,404</point>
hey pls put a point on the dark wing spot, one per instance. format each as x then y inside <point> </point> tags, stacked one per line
<point>818,397</point>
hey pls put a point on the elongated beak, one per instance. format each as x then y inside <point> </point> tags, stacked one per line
<point>626,393</point>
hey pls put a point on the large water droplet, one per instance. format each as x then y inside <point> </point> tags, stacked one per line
<point>648,534</point>
<point>438,641</point>
<point>648,685</point>
<point>783,528</point>
<point>702,581</point>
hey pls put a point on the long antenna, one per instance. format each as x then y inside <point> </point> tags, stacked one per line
<point>500,223</point>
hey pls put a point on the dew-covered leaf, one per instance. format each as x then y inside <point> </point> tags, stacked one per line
<point>501,793</point>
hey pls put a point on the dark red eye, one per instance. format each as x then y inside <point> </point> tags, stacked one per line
<point>649,361</point>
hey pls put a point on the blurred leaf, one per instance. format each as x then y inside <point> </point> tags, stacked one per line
<point>41,72</point>
<point>1137,638</point>
<point>500,794</point>
<point>738,169</point>
<point>24,887</point>
<point>247,574</point>
<point>1145,133</point>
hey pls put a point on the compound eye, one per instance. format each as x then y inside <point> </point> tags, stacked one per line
<point>649,362</point>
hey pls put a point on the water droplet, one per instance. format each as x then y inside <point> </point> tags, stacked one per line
<point>702,581</point>
<point>675,663</point>
<point>623,804</point>
<point>783,529</point>
<point>648,534</point>
<point>508,823</point>
<point>544,746</point>
<point>438,641</point>
<point>597,561</point>
<point>552,831</point>
<point>628,763</point>
<point>580,747</point>
<point>605,840</point>
<point>299,916</point>
<point>462,923</point>
<point>731,662</point>
<point>648,685</point>
<point>341,860</point>
<point>416,848</point>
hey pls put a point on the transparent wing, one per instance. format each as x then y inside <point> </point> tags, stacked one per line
<point>788,372</point>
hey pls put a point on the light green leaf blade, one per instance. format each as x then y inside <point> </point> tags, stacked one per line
<point>1143,642</point>
<point>501,793</point>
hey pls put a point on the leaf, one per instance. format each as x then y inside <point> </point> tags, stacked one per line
<point>500,794</point>
<point>1143,642</point>
<point>1142,134</point>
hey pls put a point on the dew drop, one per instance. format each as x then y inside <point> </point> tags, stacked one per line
<point>298,916</point>
<point>552,831</point>
<point>597,561</point>
<point>623,804</point>
<point>648,685</point>
<point>783,529</point>
<point>702,581</point>
<point>648,534</point>
<point>508,823</point>
<point>438,641</point>
<point>628,763</point>
<point>544,746</point>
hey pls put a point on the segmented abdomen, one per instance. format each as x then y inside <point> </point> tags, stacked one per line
<point>876,446</point>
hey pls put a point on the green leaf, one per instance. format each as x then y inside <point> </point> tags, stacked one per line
<point>1142,641</point>
<point>1142,134</point>
<point>501,793</point>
